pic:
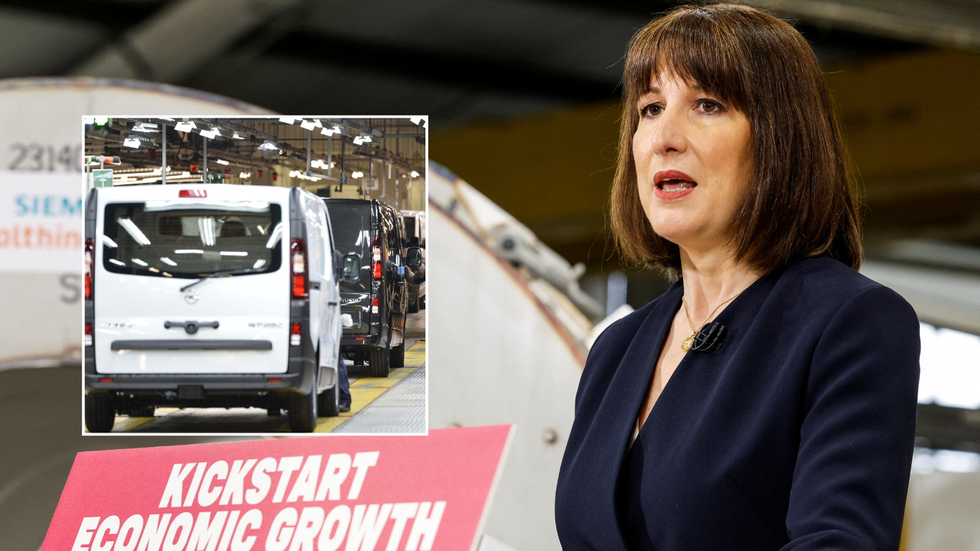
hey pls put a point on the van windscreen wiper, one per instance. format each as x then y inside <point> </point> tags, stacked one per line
<point>219,274</point>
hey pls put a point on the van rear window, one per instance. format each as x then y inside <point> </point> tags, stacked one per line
<point>351,226</point>
<point>185,240</point>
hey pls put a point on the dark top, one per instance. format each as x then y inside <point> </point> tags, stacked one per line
<point>796,434</point>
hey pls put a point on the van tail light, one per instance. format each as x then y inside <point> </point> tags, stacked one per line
<point>89,266</point>
<point>376,257</point>
<point>300,277</point>
<point>193,193</point>
<point>374,306</point>
<point>88,334</point>
<point>295,334</point>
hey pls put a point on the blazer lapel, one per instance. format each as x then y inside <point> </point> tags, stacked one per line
<point>619,408</point>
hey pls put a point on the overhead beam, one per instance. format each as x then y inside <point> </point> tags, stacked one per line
<point>180,38</point>
<point>442,67</point>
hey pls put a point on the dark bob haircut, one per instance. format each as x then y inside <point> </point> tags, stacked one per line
<point>802,200</point>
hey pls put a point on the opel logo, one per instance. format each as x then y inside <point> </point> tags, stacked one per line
<point>192,298</point>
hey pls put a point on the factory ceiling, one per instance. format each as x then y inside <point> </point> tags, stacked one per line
<point>492,73</point>
<point>455,61</point>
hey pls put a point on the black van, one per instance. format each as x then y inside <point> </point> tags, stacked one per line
<point>374,297</point>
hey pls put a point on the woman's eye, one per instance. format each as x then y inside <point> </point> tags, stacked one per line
<point>710,106</point>
<point>651,110</point>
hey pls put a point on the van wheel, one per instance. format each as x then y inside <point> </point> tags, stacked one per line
<point>398,355</point>
<point>380,362</point>
<point>302,412</point>
<point>329,402</point>
<point>100,413</point>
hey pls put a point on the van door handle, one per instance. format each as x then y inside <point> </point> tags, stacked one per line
<point>190,327</point>
<point>315,285</point>
<point>332,303</point>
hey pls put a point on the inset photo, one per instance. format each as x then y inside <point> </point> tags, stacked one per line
<point>255,275</point>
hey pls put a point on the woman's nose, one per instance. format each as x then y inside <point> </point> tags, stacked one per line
<point>669,134</point>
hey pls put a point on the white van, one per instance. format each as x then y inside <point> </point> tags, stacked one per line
<point>210,296</point>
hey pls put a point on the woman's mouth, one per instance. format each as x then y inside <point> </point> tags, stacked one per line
<point>672,185</point>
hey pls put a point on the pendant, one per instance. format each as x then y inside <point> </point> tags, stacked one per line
<point>686,345</point>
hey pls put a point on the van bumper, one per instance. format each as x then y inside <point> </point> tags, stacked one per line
<point>218,388</point>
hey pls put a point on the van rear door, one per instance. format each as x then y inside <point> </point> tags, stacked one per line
<point>187,284</point>
<point>351,223</point>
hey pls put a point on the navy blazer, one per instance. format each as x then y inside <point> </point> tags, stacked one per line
<point>796,434</point>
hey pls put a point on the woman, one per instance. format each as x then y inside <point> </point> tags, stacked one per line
<point>767,400</point>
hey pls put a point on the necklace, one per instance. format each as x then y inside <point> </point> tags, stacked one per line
<point>688,342</point>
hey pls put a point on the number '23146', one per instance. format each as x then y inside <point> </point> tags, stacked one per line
<point>41,157</point>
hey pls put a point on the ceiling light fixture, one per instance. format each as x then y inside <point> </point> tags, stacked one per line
<point>221,161</point>
<point>236,136</point>
<point>417,120</point>
<point>132,141</point>
<point>269,145</point>
<point>210,134</point>
<point>185,126</point>
<point>288,120</point>
<point>308,125</point>
<point>145,127</point>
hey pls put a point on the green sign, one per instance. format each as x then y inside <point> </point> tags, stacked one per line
<point>102,177</point>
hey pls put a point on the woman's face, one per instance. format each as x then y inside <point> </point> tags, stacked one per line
<point>694,162</point>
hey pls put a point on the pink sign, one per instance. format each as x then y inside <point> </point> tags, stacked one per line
<point>356,493</point>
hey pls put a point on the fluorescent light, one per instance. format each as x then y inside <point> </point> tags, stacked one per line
<point>152,269</point>
<point>258,264</point>
<point>138,261</point>
<point>415,174</point>
<point>109,242</point>
<point>187,251</point>
<point>949,375</point>
<point>185,126</point>
<point>145,127</point>
<point>114,261</point>
<point>327,131</point>
<point>132,141</point>
<point>288,120</point>
<point>235,135</point>
<point>221,161</point>
<point>135,232</point>
<point>308,125</point>
<point>206,225</point>
<point>210,134</point>
<point>166,260</point>
<point>268,145</point>
<point>234,253</point>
